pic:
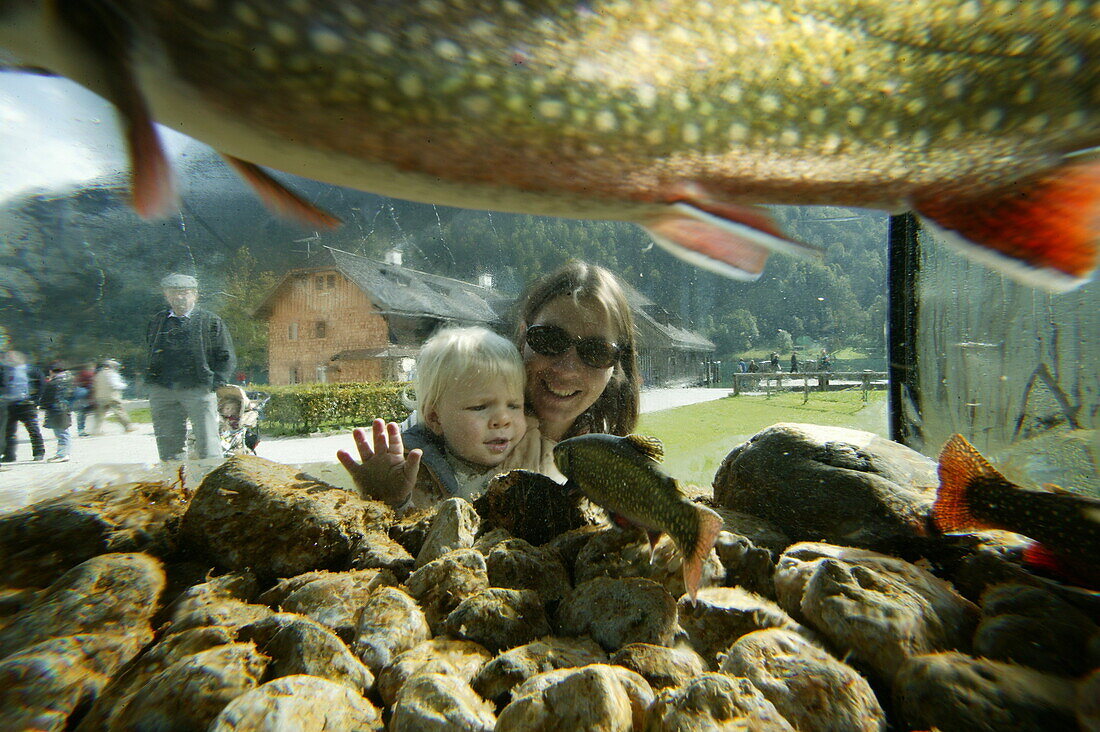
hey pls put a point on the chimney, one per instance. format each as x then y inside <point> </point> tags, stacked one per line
<point>393,256</point>
<point>485,280</point>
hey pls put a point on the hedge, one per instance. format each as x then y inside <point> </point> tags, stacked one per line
<point>305,408</point>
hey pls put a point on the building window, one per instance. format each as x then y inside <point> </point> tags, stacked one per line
<point>324,282</point>
<point>330,281</point>
<point>295,377</point>
<point>292,332</point>
<point>319,282</point>
<point>319,329</point>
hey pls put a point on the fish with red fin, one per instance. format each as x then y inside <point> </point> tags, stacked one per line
<point>621,475</point>
<point>680,116</point>
<point>1065,526</point>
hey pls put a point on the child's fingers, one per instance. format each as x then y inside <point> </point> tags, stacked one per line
<point>397,446</point>
<point>381,444</point>
<point>347,460</point>
<point>359,435</point>
<point>412,466</point>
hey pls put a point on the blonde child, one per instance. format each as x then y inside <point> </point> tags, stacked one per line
<point>471,425</point>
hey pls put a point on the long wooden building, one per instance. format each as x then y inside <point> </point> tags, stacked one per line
<point>341,317</point>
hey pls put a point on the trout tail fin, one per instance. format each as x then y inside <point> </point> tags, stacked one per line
<point>960,465</point>
<point>710,524</point>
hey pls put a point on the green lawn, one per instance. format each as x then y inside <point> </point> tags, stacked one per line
<point>698,437</point>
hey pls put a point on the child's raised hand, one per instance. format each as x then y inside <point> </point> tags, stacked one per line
<point>386,473</point>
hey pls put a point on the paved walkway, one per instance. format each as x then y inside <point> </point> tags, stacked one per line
<point>117,455</point>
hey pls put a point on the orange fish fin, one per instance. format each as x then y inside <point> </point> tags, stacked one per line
<point>281,199</point>
<point>152,187</point>
<point>1038,556</point>
<point>651,447</point>
<point>1041,231</point>
<point>710,523</point>
<point>727,238</point>
<point>959,465</point>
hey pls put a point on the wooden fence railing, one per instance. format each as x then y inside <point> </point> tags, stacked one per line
<point>815,380</point>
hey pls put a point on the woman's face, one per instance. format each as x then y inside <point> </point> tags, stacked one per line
<point>560,388</point>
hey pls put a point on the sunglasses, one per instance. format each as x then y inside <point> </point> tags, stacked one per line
<point>550,340</point>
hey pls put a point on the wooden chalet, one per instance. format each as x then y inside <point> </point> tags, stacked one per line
<point>341,317</point>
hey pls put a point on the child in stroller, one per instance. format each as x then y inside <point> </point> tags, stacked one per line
<point>239,414</point>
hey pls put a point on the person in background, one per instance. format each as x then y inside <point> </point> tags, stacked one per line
<point>776,368</point>
<point>56,401</point>
<point>754,367</point>
<point>794,363</point>
<point>742,367</point>
<point>21,390</point>
<point>190,354</point>
<point>469,425</point>
<point>107,388</point>
<point>82,396</point>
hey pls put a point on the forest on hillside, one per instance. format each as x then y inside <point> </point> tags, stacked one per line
<point>79,272</point>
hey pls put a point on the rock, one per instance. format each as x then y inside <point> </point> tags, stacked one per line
<point>714,702</point>
<point>1088,702</point>
<point>333,599</point>
<point>497,678</point>
<point>438,702</point>
<point>390,624</point>
<point>489,539</point>
<point>463,659</point>
<point>378,551</point>
<point>441,585</point>
<point>953,691</point>
<point>300,703</point>
<point>42,685</point>
<point>878,608</point>
<point>296,644</point>
<point>747,565</point>
<point>617,612</point>
<point>595,697</point>
<point>191,692</point>
<point>221,601</point>
<point>832,484</point>
<point>251,513</point>
<point>454,527</point>
<point>517,565</point>
<point>1030,626</point>
<point>812,690</point>
<point>166,652</point>
<point>43,541</point>
<point>411,529</point>
<point>498,618</point>
<point>761,533</point>
<point>618,552</point>
<point>530,506</point>
<point>568,546</point>
<point>662,667</point>
<point>721,615</point>
<point>110,593</point>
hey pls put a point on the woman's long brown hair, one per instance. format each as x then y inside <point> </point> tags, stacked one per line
<point>616,410</point>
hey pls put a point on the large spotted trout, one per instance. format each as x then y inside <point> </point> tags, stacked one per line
<point>680,115</point>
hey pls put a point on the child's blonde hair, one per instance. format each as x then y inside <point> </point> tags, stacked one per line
<point>455,356</point>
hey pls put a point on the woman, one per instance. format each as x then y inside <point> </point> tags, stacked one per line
<point>576,334</point>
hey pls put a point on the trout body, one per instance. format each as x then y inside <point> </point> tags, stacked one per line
<point>673,114</point>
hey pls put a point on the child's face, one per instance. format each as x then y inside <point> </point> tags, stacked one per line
<point>480,422</point>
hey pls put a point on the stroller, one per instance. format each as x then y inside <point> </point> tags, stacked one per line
<point>239,415</point>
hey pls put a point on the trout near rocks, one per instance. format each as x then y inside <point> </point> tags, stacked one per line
<point>1065,526</point>
<point>680,115</point>
<point>620,474</point>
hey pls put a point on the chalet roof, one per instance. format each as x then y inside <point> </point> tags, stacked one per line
<point>397,290</point>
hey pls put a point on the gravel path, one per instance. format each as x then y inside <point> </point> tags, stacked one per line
<point>116,454</point>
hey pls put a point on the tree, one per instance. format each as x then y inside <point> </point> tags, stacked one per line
<point>244,289</point>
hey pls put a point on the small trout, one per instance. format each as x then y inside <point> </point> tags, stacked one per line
<point>621,475</point>
<point>1066,526</point>
<point>680,115</point>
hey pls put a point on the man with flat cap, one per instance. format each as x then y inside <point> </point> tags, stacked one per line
<point>190,355</point>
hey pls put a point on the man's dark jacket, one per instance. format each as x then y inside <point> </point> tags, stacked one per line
<point>184,353</point>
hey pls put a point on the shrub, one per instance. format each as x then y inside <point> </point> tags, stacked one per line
<point>305,408</point>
